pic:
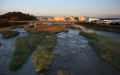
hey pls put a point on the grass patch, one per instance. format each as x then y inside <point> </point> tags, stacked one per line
<point>43,56</point>
<point>42,59</point>
<point>9,34</point>
<point>21,53</point>
<point>107,48</point>
<point>24,46</point>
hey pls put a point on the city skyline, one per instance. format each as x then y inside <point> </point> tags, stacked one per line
<point>92,8</point>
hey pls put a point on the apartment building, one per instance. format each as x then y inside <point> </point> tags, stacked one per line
<point>59,18</point>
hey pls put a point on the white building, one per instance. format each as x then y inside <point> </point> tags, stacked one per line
<point>93,19</point>
<point>107,21</point>
<point>111,21</point>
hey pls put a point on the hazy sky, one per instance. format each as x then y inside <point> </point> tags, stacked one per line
<point>104,8</point>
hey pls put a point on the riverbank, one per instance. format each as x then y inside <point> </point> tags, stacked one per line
<point>112,35</point>
<point>109,28</point>
<point>107,48</point>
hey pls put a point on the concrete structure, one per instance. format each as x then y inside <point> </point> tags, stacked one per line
<point>59,18</point>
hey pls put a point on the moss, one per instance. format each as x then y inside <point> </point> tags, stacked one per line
<point>9,34</point>
<point>107,48</point>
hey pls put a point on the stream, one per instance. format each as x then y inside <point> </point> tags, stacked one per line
<point>6,51</point>
<point>77,56</point>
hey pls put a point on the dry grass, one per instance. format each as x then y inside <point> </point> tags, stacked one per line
<point>64,72</point>
<point>73,27</point>
<point>47,28</point>
<point>6,28</point>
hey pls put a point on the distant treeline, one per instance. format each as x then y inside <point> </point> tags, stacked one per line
<point>15,16</point>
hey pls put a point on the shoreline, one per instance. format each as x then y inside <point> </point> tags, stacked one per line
<point>101,27</point>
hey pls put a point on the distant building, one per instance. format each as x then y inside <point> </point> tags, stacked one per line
<point>60,18</point>
<point>51,19</point>
<point>111,21</point>
<point>83,19</point>
<point>107,21</point>
<point>76,19</point>
<point>72,19</point>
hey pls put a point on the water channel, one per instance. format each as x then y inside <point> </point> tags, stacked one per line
<point>77,56</point>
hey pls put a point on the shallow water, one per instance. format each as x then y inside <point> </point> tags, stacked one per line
<point>78,57</point>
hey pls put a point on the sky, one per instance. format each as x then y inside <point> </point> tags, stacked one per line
<point>94,8</point>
